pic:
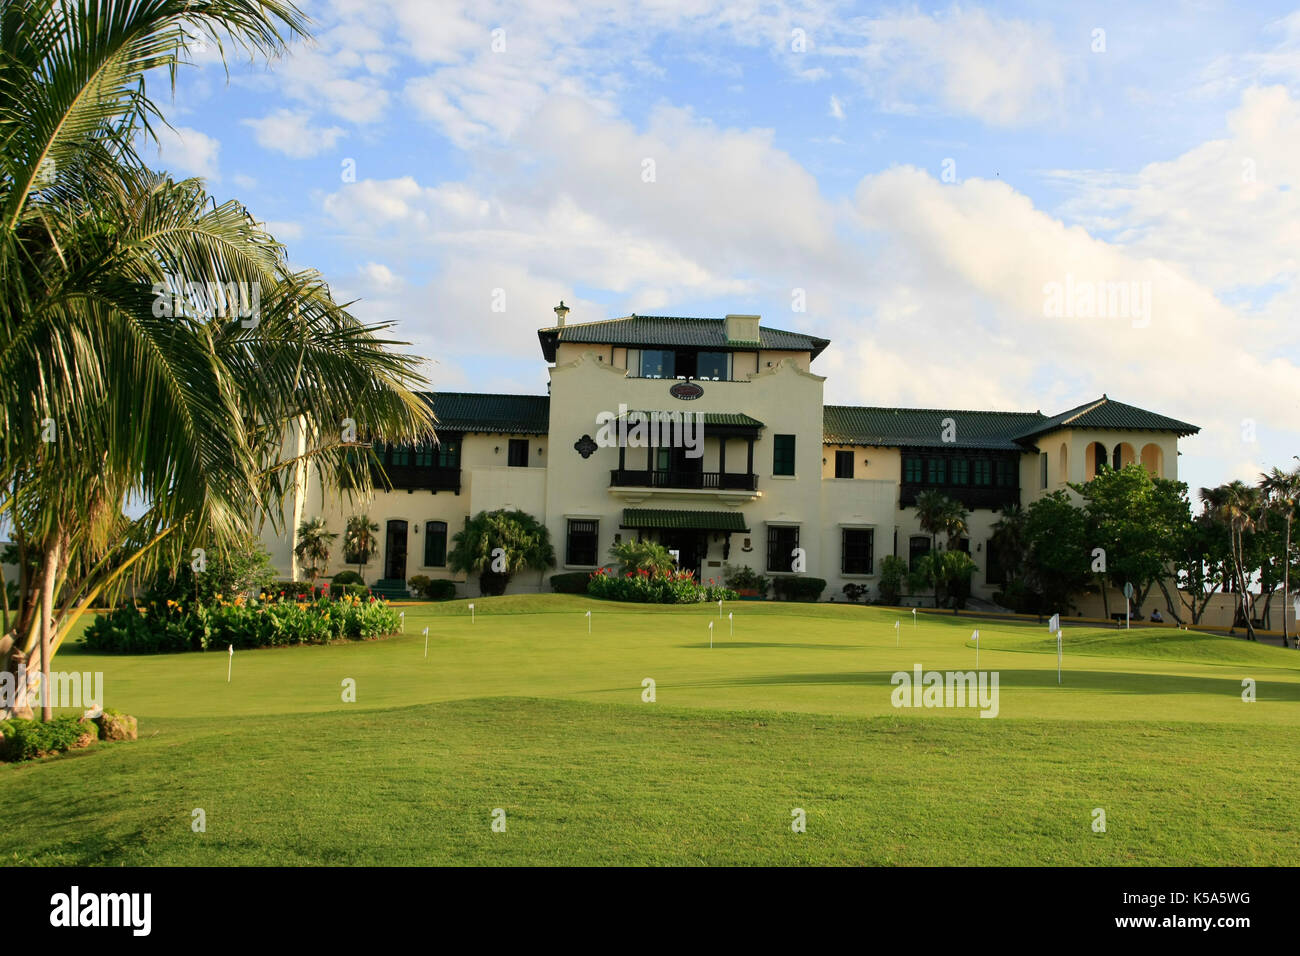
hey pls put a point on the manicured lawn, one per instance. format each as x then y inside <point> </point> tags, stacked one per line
<point>524,711</point>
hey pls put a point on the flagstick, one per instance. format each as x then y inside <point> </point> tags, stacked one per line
<point>471,613</point>
<point>710,635</point>
<point>914,619</point>
<point>426,642</point>
<point>230,665</point>
<point>898,632</point>
<point>402,616</point>
<point>731,621</point>
<point>977,649</point>
<point>588,622</point>
<point>719,609</point>
<point>1058,657</point>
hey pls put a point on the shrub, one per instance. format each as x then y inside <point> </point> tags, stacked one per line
<point>893,570</point>
<point>648,587</point>
<point>799,587</point>
<point>855,592</point>
<point>241,624</point>
<point>571,583</point>
<point>28,739</point>
<point>432,589</point>
<point>642,556</point>
<point>244,569</point>
<point>293,589</point>
<point>745,578</point>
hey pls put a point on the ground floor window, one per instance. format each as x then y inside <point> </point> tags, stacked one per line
<point>582,537</point>
<point>435,544</point>
<point>993,573</point>
<point>844,464</point>
<point>781,542</point>
<point>857,550</point>
<point>918,546</point>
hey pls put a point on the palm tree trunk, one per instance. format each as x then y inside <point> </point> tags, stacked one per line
<point>49,575</point>
<point>1286,582</point>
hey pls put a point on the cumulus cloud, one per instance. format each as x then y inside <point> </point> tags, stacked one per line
<point>185,150</point>
<point>291,133</point>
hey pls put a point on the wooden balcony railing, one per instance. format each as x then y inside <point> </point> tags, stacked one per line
<point>703,480</point>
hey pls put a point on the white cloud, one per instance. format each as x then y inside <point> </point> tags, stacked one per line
<point>963,61</point>
<point>186,150</point>
<point>291,133</point>
<point>837,108</point>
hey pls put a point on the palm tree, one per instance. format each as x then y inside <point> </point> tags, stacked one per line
<point>498,545</point>
<point>954,520</point>
<point>1236,506</point>
<point>932,509</point>
<point>1282,493</point>
<point>120,384</point>
<point>359,541</point>
<point>314,540</point>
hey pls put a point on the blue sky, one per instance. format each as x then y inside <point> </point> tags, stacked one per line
<point>921,174</point>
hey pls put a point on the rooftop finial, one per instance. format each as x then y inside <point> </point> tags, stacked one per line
<point>561,313</point>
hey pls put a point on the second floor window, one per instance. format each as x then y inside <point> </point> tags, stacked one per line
<point>449,453</point>
<point>937,471</point>
<point>783,455</point>
<point>983,472</point>
<point>844,464</point>
<point>517,456</point>
<point>912,470</point>
<point>960,471</point>
<point>658,363</point>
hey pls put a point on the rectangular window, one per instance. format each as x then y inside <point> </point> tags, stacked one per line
<point>1007,474</point>
<point>912,470</point>
<point>581,551</point>
<point>960,471</point>
<point>435,544</point>
<point>663,459</point>
<point>449,453</point>
<point>844,464</point>
<point>937,473</point>
<point>657,363</point>
<point>423,455</point>
<point>783,454</point>
<point>399,456</point>
<point>857,551</point>
<point>781,542</point>
<point>916,547</point>
<point>517,455</point>
<point>983,472</point>
<point>712,365</point>
<point>1042,470</point>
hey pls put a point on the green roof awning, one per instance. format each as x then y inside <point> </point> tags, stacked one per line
<point>673,331</point>
<point>684,520</point>
<point>492,413</point>
<point>737,420</point>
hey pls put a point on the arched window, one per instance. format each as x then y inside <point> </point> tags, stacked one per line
<point>1094,458</point>
<point>1153,460</point>
<point>1063,465</point>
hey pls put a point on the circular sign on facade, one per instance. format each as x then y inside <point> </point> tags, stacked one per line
<point>686,391</point>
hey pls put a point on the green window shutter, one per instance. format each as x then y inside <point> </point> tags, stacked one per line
<point>783,454</point>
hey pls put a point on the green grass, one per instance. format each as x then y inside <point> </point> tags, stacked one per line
<point>524,711</point>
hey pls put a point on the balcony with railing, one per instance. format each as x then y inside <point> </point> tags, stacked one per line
<point>697,480</point>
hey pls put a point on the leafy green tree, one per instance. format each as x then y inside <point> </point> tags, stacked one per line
<point>1200,567</point>
<point>1056,535</point>
<point>359,542</point>
<point>497,545</point>
<point>932,511</point>
<point>1139,521</point>
<point>313,547</point>
<point>893,571</point>
<point>1007,543</point>
<point>954,518</point>
<point>946,572</point>
<point>125,373</point>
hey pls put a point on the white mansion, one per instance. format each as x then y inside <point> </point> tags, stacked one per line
<point>779,470</point>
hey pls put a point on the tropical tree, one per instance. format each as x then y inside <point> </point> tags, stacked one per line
<point>634,556</point>
<point>932,511</point>
<point>497,545</point>
<point>313,547</point>
<point>359,541</point>
<point>1007,542</point>
<point>1282,496</point>
<point>953,518</point>
<point>949,573</point>
<point>1237,506</point>
<point>127,376</point>
<point>1056,535</point>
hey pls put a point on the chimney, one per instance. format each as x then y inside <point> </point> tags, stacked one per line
<point>561,312</point>
<point>742,329</point>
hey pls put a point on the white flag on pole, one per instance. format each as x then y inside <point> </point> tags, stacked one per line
<point>471,613</point>
<point>231,663</point>
<point>975,636</point>
<point>1058,657</point>
<point>588,622</point>
<point>710,634</point>
<point>1054,625</point>
<point>731,622</point>
<point>898,632</point>
<point>402,616</point>
<point>426,642</point>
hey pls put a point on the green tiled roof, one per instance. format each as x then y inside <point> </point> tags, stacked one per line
<point>711,419</point>
<point>1006,431</point>
<point>678,520</point>
<point>1108,413</point>
<point>670,331</point>
<point>917,427</point>
<point>487,412</point>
